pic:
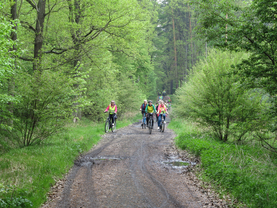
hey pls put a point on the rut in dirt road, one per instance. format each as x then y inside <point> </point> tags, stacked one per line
<point>124,170</point>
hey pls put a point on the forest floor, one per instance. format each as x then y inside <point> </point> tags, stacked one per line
<point>131,168</point>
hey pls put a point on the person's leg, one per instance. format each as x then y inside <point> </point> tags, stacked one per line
<point>144,121</point>
<point>115,117</point>
<point>160,119</point>
<point>152,120</point>
<point>147,119</point>
<point>164,116</point>
<point>112,118</point>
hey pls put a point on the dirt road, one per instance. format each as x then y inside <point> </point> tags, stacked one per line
<point>129,168</point>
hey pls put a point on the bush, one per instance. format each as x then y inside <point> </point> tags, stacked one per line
<point>215,98</point>
<point>46,100</point>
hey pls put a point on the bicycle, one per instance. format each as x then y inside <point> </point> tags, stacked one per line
<point>150,123</point>
<point>162,125</point>
<point>143,126</point>
<point>108,125</point>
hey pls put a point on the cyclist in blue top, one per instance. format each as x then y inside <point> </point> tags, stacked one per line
<point>142,108</point>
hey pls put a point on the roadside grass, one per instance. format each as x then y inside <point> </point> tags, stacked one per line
<point>246,171</point>
<point>28,173</point>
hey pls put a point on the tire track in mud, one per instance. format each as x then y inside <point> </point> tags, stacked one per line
<point>124,170</point>
<point>79,163</point>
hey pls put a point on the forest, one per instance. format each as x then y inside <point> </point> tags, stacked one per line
<point>62,61</point>
<point>65,60</point>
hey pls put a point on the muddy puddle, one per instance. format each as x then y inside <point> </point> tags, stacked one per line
<point>177,161</point>
<point>177,164</point>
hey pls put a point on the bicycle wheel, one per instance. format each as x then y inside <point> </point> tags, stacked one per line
<point>150,123</point>
<point>163,127</point>
<point>107,126</point>
<point>144,125</point>
<point>114,127</point>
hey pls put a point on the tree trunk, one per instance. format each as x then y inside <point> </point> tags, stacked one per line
<point>227,130</point>
<point>226,27</point>
<point>75,17</point>
<point>190,32</point>
<point>39,34</point>
<point>14,38</point>
<point>175,51</point>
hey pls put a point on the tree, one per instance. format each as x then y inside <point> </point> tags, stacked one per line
<point>251,27</point>
<point>177,48</point>
<point>214,98</point>
<point>6,73</point>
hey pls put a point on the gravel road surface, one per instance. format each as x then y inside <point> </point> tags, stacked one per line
<point>129,168</point>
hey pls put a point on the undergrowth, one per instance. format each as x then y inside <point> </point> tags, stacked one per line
<point>247,171</point>
<point>26,174</point>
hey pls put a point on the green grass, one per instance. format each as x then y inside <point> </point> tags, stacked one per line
<point>248,172</point>
<point>31,171</point>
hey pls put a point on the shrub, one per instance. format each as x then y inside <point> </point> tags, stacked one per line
<point>46,100</point>
<point>215,98</point>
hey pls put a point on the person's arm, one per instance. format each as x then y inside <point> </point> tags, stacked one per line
<point>146,108</point>
<point>115,110</point>
<point>159,107</point>
<point>107,109</point>
<point>141,107</point>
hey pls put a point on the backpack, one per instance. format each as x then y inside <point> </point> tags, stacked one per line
<point>143,106</point>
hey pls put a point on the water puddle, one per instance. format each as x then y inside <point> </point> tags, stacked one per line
<point>103,158</point>
<point>88,161</point>
<point>177,163</point>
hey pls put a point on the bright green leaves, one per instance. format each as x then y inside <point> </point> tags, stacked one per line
<point>248,27</point>
<point>215,98</point>
<point>89,53</point>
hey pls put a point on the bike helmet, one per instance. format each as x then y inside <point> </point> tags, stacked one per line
<point>150,101</point>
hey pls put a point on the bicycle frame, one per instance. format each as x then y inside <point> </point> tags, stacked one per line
<point>150,121</point>
<point>109,123</point>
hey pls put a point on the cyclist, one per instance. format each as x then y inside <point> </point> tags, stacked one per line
<point>112,108</point>
<point>161,112</point>
<point>150,108</point>
<point>142,108</point>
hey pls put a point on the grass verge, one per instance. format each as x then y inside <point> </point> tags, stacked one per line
<point>248,172</point>
<point>26,174</point>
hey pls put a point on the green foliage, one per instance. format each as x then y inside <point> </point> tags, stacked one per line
<point>71,60</point>
<point>9,198</point>
<point>250,27</point>
<point>245,171</point>
<point>214,97</point>
<point>6,69</point>
<point>175,33</point>
<point>46,100</point>
<point>34,169</point>
<point>246,26</point>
